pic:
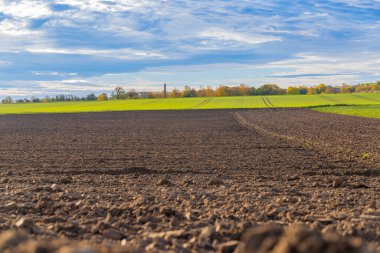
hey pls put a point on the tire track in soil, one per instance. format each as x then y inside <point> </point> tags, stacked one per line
<point>331,99</point>
<point>267,102</point>
<point>322,147</point>
<point>203,103</point>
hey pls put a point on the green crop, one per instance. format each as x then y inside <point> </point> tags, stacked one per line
<point>284,101</point>
<point>369,111</point>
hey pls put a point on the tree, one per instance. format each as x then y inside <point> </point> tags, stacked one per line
<point>252,91</point>
<point>36,100</point>
<point>302,90</point>
<point>321,88</point>
<point>292,91</point>
<point>175,93</point>
<point>243,90</point>
<point>102,97</point>
<point>132,94</point>
<point>155,94</point>
<point>329,90</point>
<point>312,90</point>
<point>358,88</point>
<point>221,91</point>
<point>91,97</point>
<point>59,97</point>
<point>7,100</point>
<point>345,89</point>
<point>374,87</point>
<point>270,89</point>
<point>189,92</point>
<point>119,93</point>
<point>206,92</point>
<point>45,99</point>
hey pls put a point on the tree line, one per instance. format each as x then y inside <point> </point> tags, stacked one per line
<point>119,93</point>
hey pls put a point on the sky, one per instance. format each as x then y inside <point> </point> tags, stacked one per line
<point>49,47</point>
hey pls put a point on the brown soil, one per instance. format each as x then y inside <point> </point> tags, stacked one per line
<point>188,180</point>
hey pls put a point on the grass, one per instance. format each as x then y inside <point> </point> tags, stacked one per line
<point>198,103</point>
<point>369,111</point>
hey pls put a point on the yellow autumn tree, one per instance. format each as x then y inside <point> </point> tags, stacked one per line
<point>102,97</point>
<point>292,91</point>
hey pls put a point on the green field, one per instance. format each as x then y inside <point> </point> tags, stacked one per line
<point>196,103</point>
<point>370,111</point>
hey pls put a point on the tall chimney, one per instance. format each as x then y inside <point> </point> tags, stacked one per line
<point>165,91</point>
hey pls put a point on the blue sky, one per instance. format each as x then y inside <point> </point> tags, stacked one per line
<point>76,46</point>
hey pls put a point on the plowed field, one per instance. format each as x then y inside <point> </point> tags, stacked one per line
<point>185,180</point>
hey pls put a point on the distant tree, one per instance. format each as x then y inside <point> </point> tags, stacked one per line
<point>358,88</point>
<point>252,91</point>
<point>102,97</point>
<point>189,92</point>
<point>292,91</point>
<point>45,99</point>
<point>91,97</point>
<point>206,92</point>
<point>175,93</point>
<point>201,92</point>
<point>243,90</point>
<point>375,87</point>
<point>35,100</point>
<point>132,94</point>
<point>210,92</point>
<point>345,89</point>
<point>329,90</point>
<point>155,95</point>
<point>321,88</point>
<point>221,91</point>
<point>7,100</point>
<point>119,93</point>
<point>312,90</point>
<point>302,90</point>
<point>270,89</point>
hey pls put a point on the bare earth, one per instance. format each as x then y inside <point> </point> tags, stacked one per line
<point>188,181</point>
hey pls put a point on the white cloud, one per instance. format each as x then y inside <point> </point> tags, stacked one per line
<point>16,28</point>
<point>232,36</point>
<point>126,54</point>
<point>368,63</point>
<point>18,92</point>
<point>372,4</point>
<point>25,8</point>
<point>52,73</point>
<point>108,6</point>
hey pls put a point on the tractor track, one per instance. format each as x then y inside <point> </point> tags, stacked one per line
<point>203,103</point>
<point>267,102</point>
<point>336,101</point>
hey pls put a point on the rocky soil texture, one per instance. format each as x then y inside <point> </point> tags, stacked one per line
<point>267,180</point>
